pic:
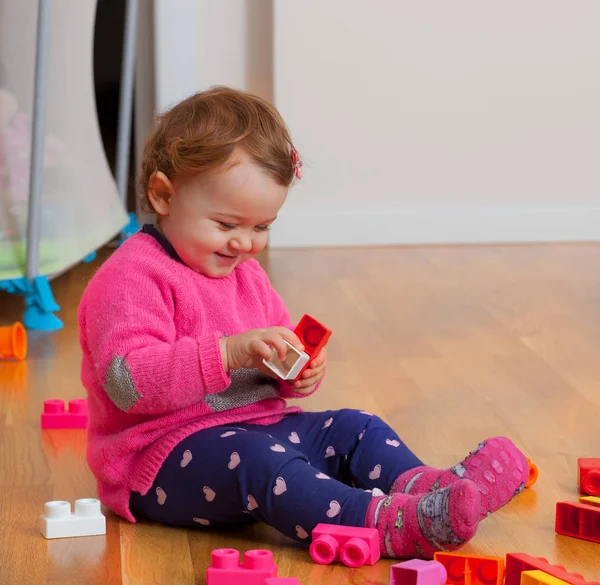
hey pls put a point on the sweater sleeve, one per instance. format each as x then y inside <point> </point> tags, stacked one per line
<point>141,363</point>
<point>281,317</point>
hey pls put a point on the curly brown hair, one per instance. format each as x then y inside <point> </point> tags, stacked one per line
<point>199,134</point>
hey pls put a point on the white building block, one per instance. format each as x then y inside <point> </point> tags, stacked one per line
<point>57,521</point>
<point>289,368</point>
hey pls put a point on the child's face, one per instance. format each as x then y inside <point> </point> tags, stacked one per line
<point>218,220</point>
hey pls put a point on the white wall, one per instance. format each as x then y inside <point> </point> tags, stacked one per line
<point>200,43</point>
<point>438,121</point>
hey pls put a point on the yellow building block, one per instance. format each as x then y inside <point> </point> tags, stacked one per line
<point>590,500</point>
<point>540,578</point>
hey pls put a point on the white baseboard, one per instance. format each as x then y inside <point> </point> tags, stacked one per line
<point>436,226</point>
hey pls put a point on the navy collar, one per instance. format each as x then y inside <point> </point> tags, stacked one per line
<point>160,238</point>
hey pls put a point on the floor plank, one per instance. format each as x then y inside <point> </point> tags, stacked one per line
<point>448,344</point>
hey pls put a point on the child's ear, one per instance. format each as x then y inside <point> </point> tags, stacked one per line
<point>160,193</point>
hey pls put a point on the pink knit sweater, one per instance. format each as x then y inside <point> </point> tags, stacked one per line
<point>152,366</point>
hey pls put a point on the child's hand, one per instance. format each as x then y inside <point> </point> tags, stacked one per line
<point>248,349</point>
<point>313,374</point>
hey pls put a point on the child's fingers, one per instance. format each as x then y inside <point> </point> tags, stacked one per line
<point>259,347</point>
<point>312,372</point>
<point>290,337</point>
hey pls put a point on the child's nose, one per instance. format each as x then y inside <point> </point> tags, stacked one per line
<point>242,242</point>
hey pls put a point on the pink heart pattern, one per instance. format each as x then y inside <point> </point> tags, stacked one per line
<point>227,434</point>
<point>392,442</point>
<point>375,473</point>
<point>187,457</point>
<point>361,436</point>
<point>234,460</point>
<point>294,438</point>
<point>161,496</point>
<point>278,448</point>
<point>334,509</point>
<point>252,505</point>
<point>301,533</point>
<point>202,521</point>
<point>209,494</point>
<point>321,476</point>
<point>280,486</point>
<point>327,423</point>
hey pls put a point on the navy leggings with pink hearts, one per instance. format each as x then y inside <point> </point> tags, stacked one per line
<point>310,468</point>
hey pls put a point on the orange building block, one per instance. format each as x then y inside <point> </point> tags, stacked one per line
<point>533,473</point>
<point>471,569</point>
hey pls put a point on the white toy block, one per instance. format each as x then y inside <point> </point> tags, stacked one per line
<point>289,368</point>
<point>57,521</point>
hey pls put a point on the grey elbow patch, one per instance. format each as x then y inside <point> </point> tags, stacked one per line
<point>119,384</point>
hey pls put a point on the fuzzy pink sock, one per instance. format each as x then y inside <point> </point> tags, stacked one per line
<point>418,526</point>
<point>497,467</point>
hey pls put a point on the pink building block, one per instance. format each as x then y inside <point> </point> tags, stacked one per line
<point>353,546</point>
<point>282,581</point>
<point>418,572</point>
<point>56,417</point>
<point>226,569</point>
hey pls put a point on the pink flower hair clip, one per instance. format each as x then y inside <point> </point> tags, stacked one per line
<point>297,164</point>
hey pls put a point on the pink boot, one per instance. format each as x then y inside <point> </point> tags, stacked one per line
<point>497,467</point>
<point>418,526</point>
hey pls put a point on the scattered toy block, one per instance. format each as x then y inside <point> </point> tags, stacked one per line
<point>314,337</point>
<point>516,563</point>
<point>291,367</point>
<point>56,417</point>
<point>590,500</point>
<point>226,569</point>
<point>589,476</point>
<point>540,578</point>
<point>282,581</point>
<point>13,342</point>
<point>471,569</point>
<point>57,521</point>
<point>533,473</point>
<point>578,521</point>
<point>353,546</point>
<point>418,572</point>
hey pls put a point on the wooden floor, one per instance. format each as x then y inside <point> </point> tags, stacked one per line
<point>448,344</point>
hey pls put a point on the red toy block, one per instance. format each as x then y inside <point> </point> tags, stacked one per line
<point>56,417</point>
<point>283,581</point>
<point>226,569</point>
<point>353,546</point>
<point>471,569</point>
<point>578,521</point>
<point>314,337</point>
<point>589,476</point>
<point>418,572</point>
<point>516,563</point>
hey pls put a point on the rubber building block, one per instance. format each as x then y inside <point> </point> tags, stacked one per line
<point>57,521</point>
<point>56,417</point>
<point>418,572</point>
<point>590,500</point>
<point>589,476</point>
<point>540,578</point>
<point>516,563</point>
<point>226,569</point>
<point>578,521</point>
<point>353,546</point>
<point>471,569</point>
